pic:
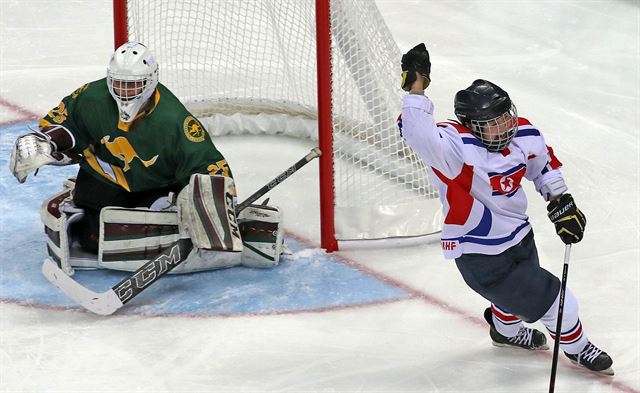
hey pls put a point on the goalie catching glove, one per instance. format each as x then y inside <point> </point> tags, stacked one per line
<point>568,219</point>
<point>416,60</point>
<point>38,148</point>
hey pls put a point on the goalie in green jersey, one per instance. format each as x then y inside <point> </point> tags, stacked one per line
<point>149,174</point>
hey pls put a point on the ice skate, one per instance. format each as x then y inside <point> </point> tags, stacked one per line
<point>593,358</point>
<point>526,338</point>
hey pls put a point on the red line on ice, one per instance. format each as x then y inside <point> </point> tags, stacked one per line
<point>24,113</point>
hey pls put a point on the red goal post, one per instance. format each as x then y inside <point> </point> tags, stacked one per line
<point>328,71</point>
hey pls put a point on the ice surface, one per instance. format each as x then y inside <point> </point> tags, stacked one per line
<point>572,67</point>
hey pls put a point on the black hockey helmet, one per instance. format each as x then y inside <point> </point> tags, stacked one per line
<point>485,104</point>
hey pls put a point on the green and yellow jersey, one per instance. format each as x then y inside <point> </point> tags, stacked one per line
<point>163,146</point>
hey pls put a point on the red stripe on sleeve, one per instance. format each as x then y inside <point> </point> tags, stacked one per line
<point>459,127</point>
<point>555,163</point>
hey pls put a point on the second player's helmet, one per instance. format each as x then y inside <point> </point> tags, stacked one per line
<point>488,112</point>
<point>132,77</point>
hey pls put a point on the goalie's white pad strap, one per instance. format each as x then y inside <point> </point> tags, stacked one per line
<point>262,234</point>
<point>206,213</point>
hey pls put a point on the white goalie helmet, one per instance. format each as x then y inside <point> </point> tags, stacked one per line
<point>132,77</point>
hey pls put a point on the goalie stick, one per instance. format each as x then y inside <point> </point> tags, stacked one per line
<point>108,302</point>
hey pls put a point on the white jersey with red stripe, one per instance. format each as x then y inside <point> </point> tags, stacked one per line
<point>483,201</point>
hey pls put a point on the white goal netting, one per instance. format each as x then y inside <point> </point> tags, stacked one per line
<point>249,66</point>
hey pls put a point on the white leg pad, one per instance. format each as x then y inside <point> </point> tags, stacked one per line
<point>131,237</point>
<point>206,213</point>
<point>262,234</point>
<point>57,214</point>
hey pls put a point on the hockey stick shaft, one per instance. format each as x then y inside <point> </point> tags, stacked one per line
<point>315,152</point>
<point>108,302</point>
<point>556,345</point>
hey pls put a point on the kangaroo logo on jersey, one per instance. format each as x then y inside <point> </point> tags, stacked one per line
<point>122,149</point>
<point>193,129</point>
<point>507,183</point>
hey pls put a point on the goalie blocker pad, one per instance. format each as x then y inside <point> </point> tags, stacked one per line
<point>207,215</point>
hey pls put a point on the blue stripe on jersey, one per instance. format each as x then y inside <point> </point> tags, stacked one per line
<point>510,171</point>
<point>489,242</point>
<point>472,141</point>
<point>528,132</point>
<point>484,226</point>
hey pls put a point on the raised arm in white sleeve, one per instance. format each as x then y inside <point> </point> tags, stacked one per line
<point>437,147</point>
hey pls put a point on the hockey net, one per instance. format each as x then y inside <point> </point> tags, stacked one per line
<point>251,67</point>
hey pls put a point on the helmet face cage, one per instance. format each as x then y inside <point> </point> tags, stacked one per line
<point>132,77</point>
<point>498,132</point>
<point>125,89</point>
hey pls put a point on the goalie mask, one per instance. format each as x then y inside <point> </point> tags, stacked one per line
<point>132,77</point>
<point>488,112</point>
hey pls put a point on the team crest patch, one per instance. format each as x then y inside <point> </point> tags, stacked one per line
<point>507,183</point>
<point>193,129</point>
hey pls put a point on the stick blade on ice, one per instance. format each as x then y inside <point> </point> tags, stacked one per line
<point>99,303</point>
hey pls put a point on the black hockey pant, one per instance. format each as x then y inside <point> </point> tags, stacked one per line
<point>512,280</point>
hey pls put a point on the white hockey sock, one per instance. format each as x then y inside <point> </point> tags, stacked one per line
<point>573,338</point>
<point>506,324</point>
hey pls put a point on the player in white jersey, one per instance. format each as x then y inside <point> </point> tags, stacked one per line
<point>478,164</point>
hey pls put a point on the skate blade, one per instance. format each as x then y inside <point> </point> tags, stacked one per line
<point>545,347</point>
<point>609,371</point>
